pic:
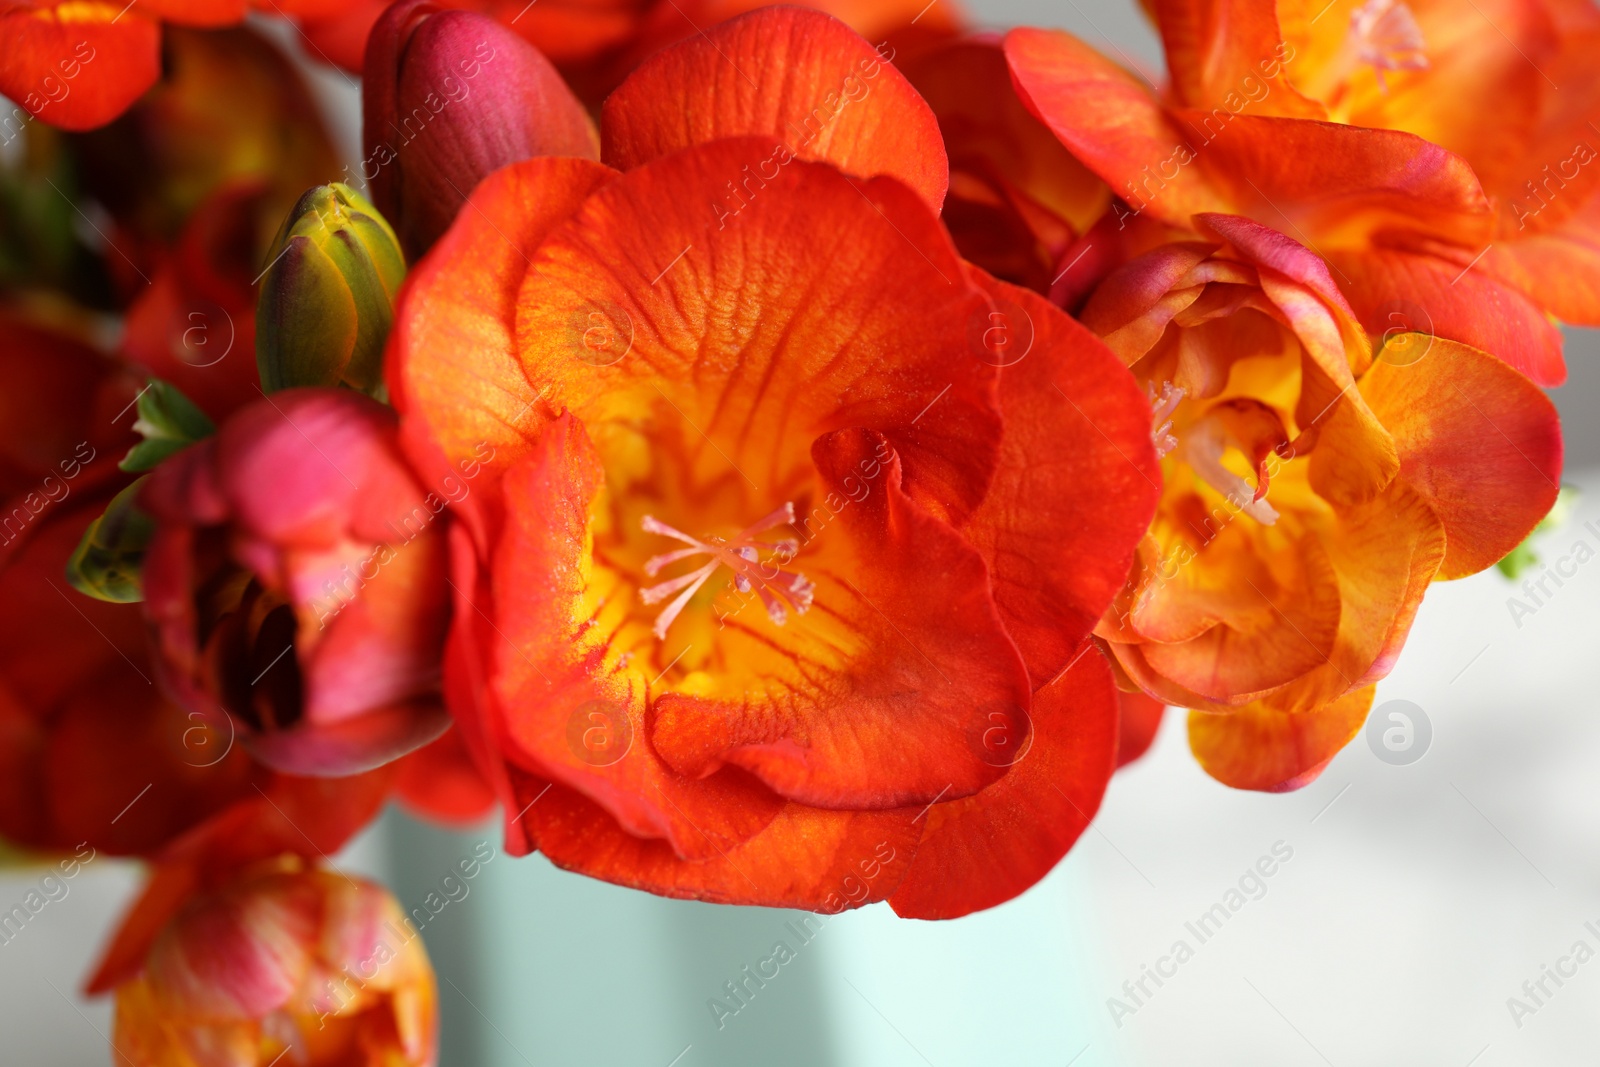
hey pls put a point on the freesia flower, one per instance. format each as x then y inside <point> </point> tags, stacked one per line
<point>295,580</point>
<point>1311,492</point>
<point>1404,223</point>
<point>777,588</point>
<point>282,961</point>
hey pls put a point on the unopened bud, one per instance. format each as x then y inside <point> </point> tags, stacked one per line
<point>327,298</point>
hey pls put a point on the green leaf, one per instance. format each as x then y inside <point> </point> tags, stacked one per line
<point>109,561</point>
<point>169,422</point>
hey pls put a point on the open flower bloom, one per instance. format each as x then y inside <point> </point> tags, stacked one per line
<point>296,581</point>
<point>281,961</point>
<point>1311,492</point>
<point>1415,242</point>
<point>776,590</point>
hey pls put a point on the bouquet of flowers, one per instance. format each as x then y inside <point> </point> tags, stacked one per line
<point>781,455</point>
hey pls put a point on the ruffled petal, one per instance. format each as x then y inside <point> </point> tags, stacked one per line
<point>823,861</point>
<point>1273,751</point>
<point>1394,292</point>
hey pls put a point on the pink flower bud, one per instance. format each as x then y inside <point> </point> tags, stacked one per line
<point>296,580</point>
<point>448,97</point>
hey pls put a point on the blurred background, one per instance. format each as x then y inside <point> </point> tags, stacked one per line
<point>1408,904</point>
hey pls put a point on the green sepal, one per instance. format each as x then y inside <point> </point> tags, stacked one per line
<point>169,422</point>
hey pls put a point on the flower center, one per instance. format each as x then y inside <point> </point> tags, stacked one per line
<point>778,589</point>
<point>1204,446</point>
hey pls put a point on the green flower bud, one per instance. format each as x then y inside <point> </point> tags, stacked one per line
<point>109,559</point>
<point>327,299</point>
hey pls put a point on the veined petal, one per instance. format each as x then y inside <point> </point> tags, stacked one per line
<point>1111,120</point>
<point>985,849</point>
<point>570,718</point>
<point>1254,747</point>
<point>883,724</point>
<point>798,77</point>
<point>456,379</point>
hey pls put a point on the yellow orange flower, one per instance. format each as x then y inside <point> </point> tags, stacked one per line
<point>1311,492</point>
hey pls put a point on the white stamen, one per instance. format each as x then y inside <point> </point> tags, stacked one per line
<point>1161,408</point>
<point>742,555</point>
<point>1203,450</point>
<point>1385,36</point>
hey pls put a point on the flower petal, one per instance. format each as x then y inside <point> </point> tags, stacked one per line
<point>567,716</point>
<point>77,65</point>
<point>1273,751</point>
<point>455,376</point>
<point>1222,52</point>
<point>1111,121</point>
<point>806,858</point>
<point>797,76</point>
<point>1395,291</point>
<point>985,849</point>
<point>1478,441</point>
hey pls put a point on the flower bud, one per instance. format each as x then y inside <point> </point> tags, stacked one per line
<point>328,297</point>
<point>296,578</point>
<point>448,97</point>
<point>282,962</point>
<point>107,562</point>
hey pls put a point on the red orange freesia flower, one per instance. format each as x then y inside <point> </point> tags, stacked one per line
<point>766,588</point>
